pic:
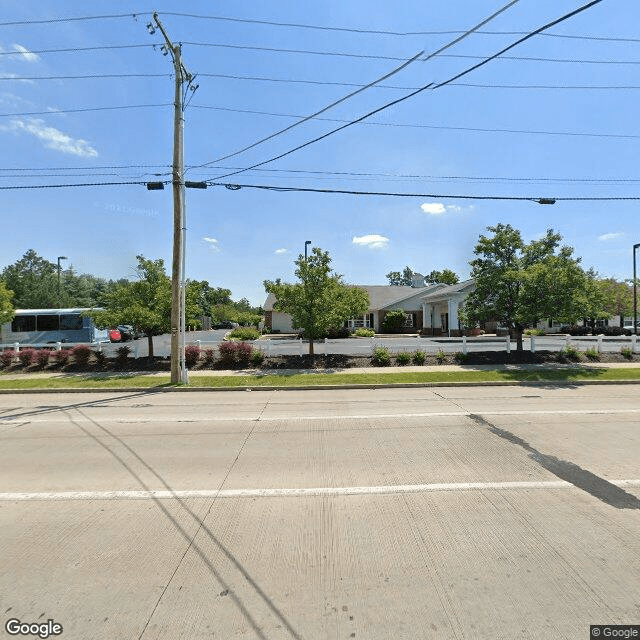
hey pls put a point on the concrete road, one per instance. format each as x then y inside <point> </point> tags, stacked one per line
<point>449,513</point>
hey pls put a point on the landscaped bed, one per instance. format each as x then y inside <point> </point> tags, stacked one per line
<point>319,362</point>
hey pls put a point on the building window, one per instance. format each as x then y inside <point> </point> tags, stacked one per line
<point>410,320</point>
<point>361,321</point>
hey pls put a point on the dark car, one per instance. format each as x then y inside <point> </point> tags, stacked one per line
<point>225,324</point>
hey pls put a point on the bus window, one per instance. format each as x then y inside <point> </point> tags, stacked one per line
<point>23,323</point>
<point>48,322</point>
<point>70,322</point>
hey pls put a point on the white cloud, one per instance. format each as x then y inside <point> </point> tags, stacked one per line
<point>610,236</point>
<point>52,138</point>
<point>213,243</point>
<point>437,208</point>
<point>281,251</point>
<point>434,208</point>
<point>25,54</point>
<point>372,241</point>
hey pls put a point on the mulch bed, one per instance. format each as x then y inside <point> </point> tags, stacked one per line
<point>328,362</point>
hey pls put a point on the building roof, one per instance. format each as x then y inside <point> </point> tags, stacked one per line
<point>380,296</point>
<point>445,292</point>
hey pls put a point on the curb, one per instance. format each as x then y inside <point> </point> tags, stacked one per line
<point>319,387</point>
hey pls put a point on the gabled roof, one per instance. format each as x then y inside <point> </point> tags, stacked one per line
<point>450,290</point>
<point>385,296</point>
<point>380,296</point>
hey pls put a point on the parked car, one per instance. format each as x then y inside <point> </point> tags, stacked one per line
<point>123,333</point>
<point>225,324</point>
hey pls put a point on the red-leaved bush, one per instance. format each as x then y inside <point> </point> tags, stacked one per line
<point>27,356</point>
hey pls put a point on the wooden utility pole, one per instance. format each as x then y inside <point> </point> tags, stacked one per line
<point>178,368</point>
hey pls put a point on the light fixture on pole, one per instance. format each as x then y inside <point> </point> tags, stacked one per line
<point>306,244</point>
<point>60,258</point>
<point>635,291</point>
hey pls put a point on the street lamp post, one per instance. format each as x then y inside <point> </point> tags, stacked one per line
<point>635,292</point>
<point>306,244</point>
<point>65,258</point>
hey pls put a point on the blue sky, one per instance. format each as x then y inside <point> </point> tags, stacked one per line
<point>558,121</point>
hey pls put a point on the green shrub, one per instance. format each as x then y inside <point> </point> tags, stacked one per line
<point>592,354</point>
<point>419,357</point>
<point>569,353</point>
<point>257,357</point>
<point>441,356</point>
<point>81,354</point>
<point>191,355</point>
<point>338,332</point>
<point>626,352</point>
<point>394,321</point>
<point>534,332</point>
<point>403,358</point>
<point>365,333</point>
<point>460,357</point>
<point>575,330</point>
<point>244,333</point>
<point>381,356</point>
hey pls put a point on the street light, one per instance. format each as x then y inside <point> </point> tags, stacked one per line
<point>60,258</point>
<point>635,292</point>
<point>306,244</point>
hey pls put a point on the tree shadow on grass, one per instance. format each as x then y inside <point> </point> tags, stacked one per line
<point>568,376</point>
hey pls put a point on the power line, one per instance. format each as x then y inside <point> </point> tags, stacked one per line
<point>387,32</point>
<point>75,184</point>
<point>310,26</point>
<point>427,126</point>
<point>118,166</point>
<point>329,82</point>
<point>341,54</point>
<point>375,82</point>
<point>431,85</point>
<point>72,19</point>
<point>292,115</point>
<point>433,54</point>
<point>442,196</point>
<point>80,49</point>
<point>83,110</point>
<point>317,113</point>
<point>89,76</point>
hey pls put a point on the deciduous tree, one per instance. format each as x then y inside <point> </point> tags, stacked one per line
<point>519,284</point>
<point>146,302</point>
<point>320,299</point>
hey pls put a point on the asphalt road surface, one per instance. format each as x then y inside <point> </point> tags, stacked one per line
<point>448,513</point>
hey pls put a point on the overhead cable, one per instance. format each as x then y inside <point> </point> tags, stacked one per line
<point>385,31</point>
<point>440,50</point>
<point>440,196</point>
<point>424,88</point>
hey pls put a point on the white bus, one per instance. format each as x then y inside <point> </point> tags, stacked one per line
<point>48,326</point>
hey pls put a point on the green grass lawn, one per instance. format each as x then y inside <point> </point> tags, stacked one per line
<point>573,374</point>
